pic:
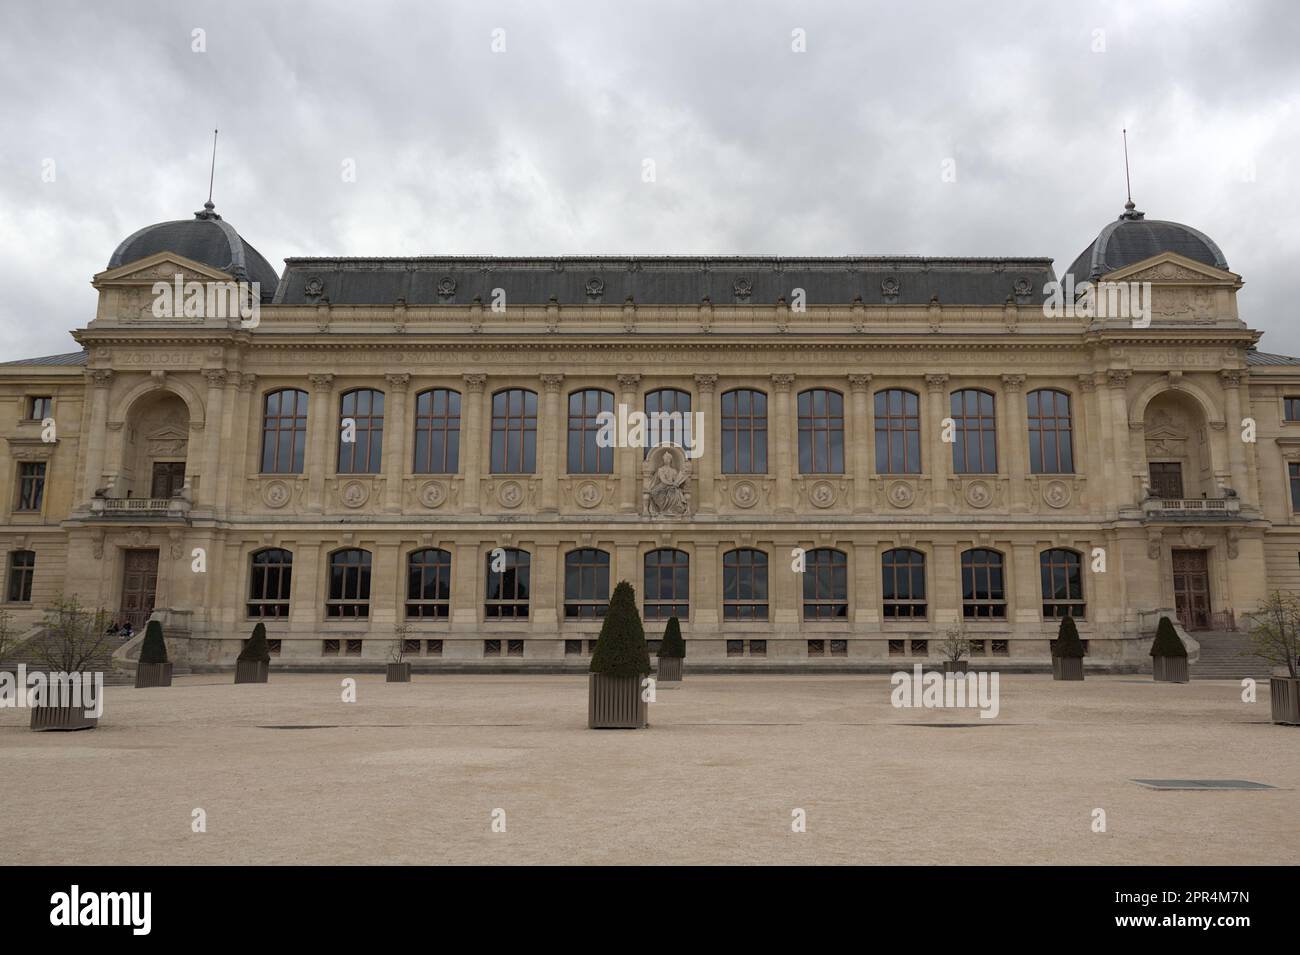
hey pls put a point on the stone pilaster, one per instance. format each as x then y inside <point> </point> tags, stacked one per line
<point>1014,453</point>
<point>396,455</point>
<point>706,463</point>
<point>553,429</point>
<point>706,596</point>
<point>322,416</point>
<point>1117,383</point>
<point>101,380</point>
<point>783,433</point>
<point>472,440</point>
<point>940,452</point>
<point>1231,381</point>
<point>629,458</point>
<point>861,433</point>
<point>210,484</point>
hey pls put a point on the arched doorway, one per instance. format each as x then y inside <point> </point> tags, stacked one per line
<point>1180,463</point>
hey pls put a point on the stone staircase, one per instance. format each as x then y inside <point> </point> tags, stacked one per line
<point>29,652</point>
<point>1227,655</point>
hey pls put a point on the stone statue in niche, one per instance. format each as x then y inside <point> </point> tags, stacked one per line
<point>667,474</point>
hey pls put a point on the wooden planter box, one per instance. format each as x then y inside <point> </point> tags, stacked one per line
<point>1169,669</point>
<point>670,670</point>
<point>62,718</point>
<point>1284,692</point>
<point>955,666</point>
<point>251,671</point>
<point>398,673</point>
<point>614,703</point>
<point>1067,668</point>
<point>153,674</point>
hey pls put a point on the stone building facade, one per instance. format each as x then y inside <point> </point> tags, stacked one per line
<point>883,450</point>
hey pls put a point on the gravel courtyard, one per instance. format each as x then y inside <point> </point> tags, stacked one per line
<point>412,773</point>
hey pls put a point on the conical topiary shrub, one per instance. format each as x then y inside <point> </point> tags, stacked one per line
<point>1168,655</point>
<point>154,669</point>
<point>1067,652</point>
<point>255,659</point>
<point>614,699</point>
<point>671,651</point>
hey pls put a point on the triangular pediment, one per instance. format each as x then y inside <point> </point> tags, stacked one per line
<point>160,267</point>
<point>1170,268</point>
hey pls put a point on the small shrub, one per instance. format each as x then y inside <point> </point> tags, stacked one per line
<point>620,648</point>
<point>154,648</point>
<point>1068,644</point>
<point>256,648</point>
<point>672,644</point>
<point>1167,643</point>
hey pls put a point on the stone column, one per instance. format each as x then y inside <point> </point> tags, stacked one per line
<point>861,434</point>
<point>321,415</point>
<point>553,427</point>
<point>784,435</point>
<point>467,570</point>
<point>472,441</point>
<point>1014,453</point>
<point>866,590</point>
<point>212,439</point>
<point>395,440</point>
<point>706,464</point>
<point>940,452</point>
<point>706,598</point>
<point>102,380</point>
<point>544,579</point>
<point>1117,381</point>
<point>1231,380</point>
<point>1025,584</point>
<point>629,459</point>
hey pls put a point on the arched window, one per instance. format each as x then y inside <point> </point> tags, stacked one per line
<point>507,584</point>
<point>983,586</point>
<point>361,418</point>
<point>975,450</point>
<point>349,593</point>
<point>284,431</point>
<point>428,584</point>
<point>270,583</point>
<point>744,584</point>
<point>667,584</point>
<point>821,432</point>
<point>586,583</point>
<point>902,572</point>
<point>1062,573</point>
<point>514,431</point>
<point>437,431</point>
<point>668,418</point>
<point>1051,439</point>
<point>586,456</point>
<point>22,567</point>
<point>744,432</point>
<point>898,432</point>
<point>825,584</point>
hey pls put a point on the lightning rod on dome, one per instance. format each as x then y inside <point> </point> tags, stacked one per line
<point>208,208</point>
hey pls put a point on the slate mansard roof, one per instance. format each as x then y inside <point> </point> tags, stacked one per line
<point>664,280</point>
<point>1133,237</point>
<point>206,238</point>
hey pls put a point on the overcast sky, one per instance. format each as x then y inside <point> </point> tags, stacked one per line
<point>539,149</point>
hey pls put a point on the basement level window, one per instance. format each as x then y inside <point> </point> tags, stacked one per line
<point>514,648</point>
<point>353,648</point>
<point>329,648</point>
<point>273,647</point>
<point>433,648</point>
<point>411,646</point>
<point>758,648</point>
<point>735,648</point>
<point>816,648</point>
<point>573,648</point>
<point>920,648</point>
<point>897,648</point>
<point>491,648</point>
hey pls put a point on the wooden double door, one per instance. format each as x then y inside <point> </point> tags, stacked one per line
<point>1192,588</point>
<point>139,586</point>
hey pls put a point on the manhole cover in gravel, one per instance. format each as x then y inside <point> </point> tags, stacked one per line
<point>1201,784</point>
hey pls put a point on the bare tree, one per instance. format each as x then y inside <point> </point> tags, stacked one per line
<point>398,650</point>
<point>1275,630</point>
<point>74,637</point>
<point>955,645</point>
<point>7,639</point>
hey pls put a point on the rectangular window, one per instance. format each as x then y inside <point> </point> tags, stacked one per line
<point>433,648</point>
<point>898,648</point>
<point>920,648</point>
<point>491,648</point>
<point>514,432</point>
<point>758,648</point>
<point>31,486</point>
<point>22,567</point>
<point>1294,472</point>
<point>1291,408</point>
<point>586,456</point>
<point>40,407</point>
<point>437,432</point>
<point>898,432</point>
<point>744,432</point>
<point>821,432</point>
<point>816,648</point>
<point>735,648</point>
<point>1051,440</point>
<point>329,648</point>
<point>974,450</point>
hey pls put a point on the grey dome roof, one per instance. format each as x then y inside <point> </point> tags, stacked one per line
<point>1133,237</point>
<point>206,238</point>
